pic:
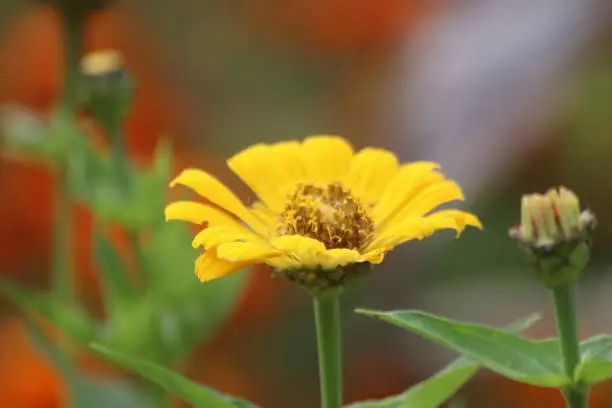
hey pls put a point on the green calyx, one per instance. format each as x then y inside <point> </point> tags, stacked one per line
<point>559,264</point>
<point>319,282</point>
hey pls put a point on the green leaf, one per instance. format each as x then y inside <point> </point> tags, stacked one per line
<point>169,259</point>
<point>176,311</point>
<point>29,300</point>
<point>596,360</point>
<point>71,319</point>
<point>437,389</point>
<point>430,393</point>
<point>524,360</point>
<point>59,359</point>
<point>85,391</point>
<point>191,392</point>
<point>114,276</point>
<point>194,308</point>
<point>91,392</point>
<point>27,135</point>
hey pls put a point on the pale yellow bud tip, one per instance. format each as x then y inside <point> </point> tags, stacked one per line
<point>550,217</point>
<point>101,62</point>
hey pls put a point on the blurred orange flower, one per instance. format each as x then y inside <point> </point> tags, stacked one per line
<point>26,379</point>
<point>339,25</point>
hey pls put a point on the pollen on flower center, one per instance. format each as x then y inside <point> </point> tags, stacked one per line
<point>329,214</point>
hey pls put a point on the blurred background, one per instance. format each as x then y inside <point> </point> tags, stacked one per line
<point>510,97</point>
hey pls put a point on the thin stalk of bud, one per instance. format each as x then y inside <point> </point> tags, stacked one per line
<point>576,395</point>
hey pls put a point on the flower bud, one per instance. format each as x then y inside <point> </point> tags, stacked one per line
<point>555,234</point>
<point>108,87</point>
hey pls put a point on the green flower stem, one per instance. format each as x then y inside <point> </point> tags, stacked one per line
<point>327,319</point>
<point>62,274</point>
<point>124,181</point>
<point>73,25</point>
<point>113,127</point>
<point>576,395</point>
<point>139,257</point>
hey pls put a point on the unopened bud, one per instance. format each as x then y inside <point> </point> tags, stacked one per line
<point>555,234</point>
<point>552,218</point>
<point>108,86</point>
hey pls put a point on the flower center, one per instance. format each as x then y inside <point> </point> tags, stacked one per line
<point>329,214</point>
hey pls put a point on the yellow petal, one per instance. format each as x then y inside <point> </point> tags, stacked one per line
<point>245,251</point>
<point>289,154</point>
<point>283,262</point>
<point>414,228</point>
<point>209,266</point>
<point>333,258</point>
<point>326,158</point>
<point>264,214</point>
<point>198,213</point>
<point>369,172</point>
<point>375,256</point>
<point>462,218</point>
<point>429,198</point>
<point>421,227</point>
<point>306,250</point>
<point>269,170</point>
<point>209,187</point>
<point>214,236</point>
<point>411,179</point>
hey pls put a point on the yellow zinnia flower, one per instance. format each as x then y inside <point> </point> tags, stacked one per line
<point>322,208</point>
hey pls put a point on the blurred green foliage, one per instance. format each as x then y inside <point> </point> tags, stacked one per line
<point>156,309</point>
<point>199,396</point>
